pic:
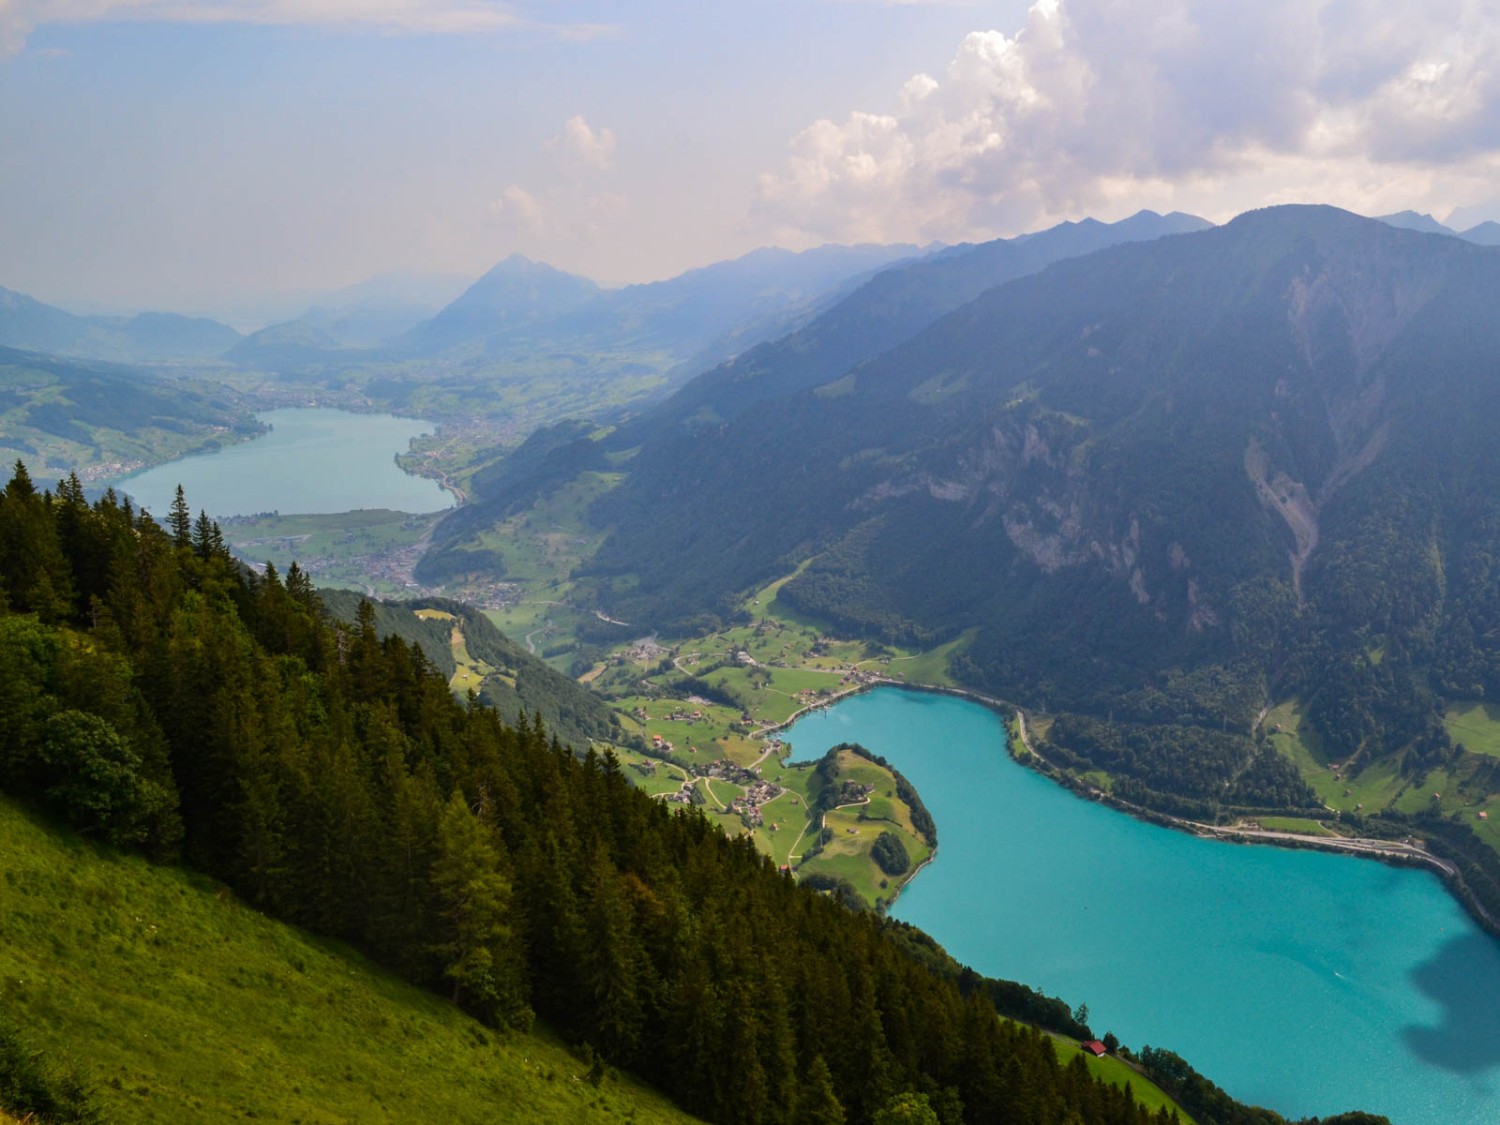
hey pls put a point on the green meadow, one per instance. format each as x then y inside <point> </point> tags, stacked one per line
<point>1462,789</point>
<point>1476,726</point>
<point>1117,1072</point>
<point>1300,825</point>
<point>182,1004</point>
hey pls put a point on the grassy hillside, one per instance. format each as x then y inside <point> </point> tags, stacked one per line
<point>184,1004</point>
<point>102,420</point>
<point>471,652</point>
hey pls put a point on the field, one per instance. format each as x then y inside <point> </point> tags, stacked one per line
<point>1463,790</point>
<point>853,828</point>
<point>1374,787</point>
<point>373,550</point>
<point>1297,824</point>
<point>1119,1073</point>
<point>1476,726</point>
<point>469,673</point>
<point>184,1005</point>
<point>750,679</point>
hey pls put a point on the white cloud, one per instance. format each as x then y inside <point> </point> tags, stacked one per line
<point>518,207</point>
<point>1101,104</point>
<point>18,18</point>
<point>589,148</point>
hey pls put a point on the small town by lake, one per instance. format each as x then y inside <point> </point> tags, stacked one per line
<point>313,460</point>
<point>1307,982</point>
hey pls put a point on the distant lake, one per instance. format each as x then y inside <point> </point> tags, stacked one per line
<point>314,460</point>
<point>1307,982</point>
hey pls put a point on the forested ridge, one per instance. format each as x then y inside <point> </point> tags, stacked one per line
<point>157,695</point>
<point>527,682</point>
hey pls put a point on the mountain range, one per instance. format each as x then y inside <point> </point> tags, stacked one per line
<point>1167,481</point>
<point>881,311</point>
<point>28,324</point>
<point>1486,233</point>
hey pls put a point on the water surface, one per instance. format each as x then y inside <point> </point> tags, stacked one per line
<point>1308,982</point>
<point>314,460</point>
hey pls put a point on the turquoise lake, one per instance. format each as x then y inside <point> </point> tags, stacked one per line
<point>1307,982</point>
<point>314,460</point>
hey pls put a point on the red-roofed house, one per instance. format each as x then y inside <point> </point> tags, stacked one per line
<point>1094,1047</point>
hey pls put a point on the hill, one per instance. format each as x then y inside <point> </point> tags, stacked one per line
<point>505,675</point>
<point>278,347</point>
<point>180,1003</point>
<point>515,294</point>
<point>28,324</point>
<point>105,419</point>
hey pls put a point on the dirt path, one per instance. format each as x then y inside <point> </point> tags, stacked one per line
<point>822,824</point>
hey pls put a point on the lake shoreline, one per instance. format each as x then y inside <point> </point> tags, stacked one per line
<point>304,461</point>
<point>1163,936</point>
<point>1389,852</point>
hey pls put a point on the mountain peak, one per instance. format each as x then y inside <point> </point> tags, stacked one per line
<point>515,292</point>
<point>1415,220</point>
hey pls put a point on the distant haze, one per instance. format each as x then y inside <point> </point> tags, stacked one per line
<point>247,160</point>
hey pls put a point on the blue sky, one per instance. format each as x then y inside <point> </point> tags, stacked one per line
<point>189,153</point>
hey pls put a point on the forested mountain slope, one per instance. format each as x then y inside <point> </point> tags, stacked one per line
<point>157,696</point>
<point>515,683</point>
<point>889,307</point>
<point>1165,480</point>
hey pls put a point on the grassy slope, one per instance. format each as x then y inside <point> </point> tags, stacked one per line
<point>1476,725</point>
<point>1462,790</point>
<point>1118,1073</point>
<point>855,828</point>
<point>184,1004</point>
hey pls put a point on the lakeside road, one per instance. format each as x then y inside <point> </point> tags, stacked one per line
<point>1366,846</point>
<point>1390,851</point>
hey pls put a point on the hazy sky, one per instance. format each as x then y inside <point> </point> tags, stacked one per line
<point>184,153</point>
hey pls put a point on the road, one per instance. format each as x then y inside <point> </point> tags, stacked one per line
<point>1351,845</point>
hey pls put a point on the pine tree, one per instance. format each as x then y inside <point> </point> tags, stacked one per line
<point>817,1104</point>
<point>180,521</point>
<point>478,946</point>
<point>203,535</point>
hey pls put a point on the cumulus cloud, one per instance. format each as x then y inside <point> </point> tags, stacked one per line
<point>587,147</point>
<point>18,18</point>
<point>519,208</point>
<point>1098,102</point>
